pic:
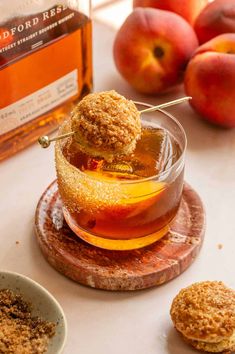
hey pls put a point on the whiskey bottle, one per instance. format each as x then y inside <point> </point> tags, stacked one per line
<point>45,67</point>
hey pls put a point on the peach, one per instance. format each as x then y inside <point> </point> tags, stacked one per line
<point>189,9</point>
<point>152,49</point>
<point>210,80</point>
<point>217,18</point>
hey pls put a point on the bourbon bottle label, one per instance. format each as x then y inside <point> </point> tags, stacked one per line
<point>21,35</point>
<point>44,60</point>
<point>39,102</point>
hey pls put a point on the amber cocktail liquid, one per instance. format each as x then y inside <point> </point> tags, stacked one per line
<point>128,203</point>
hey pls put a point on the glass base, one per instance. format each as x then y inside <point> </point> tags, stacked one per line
<point>116,245</point>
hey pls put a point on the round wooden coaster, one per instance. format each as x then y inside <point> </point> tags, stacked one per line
<point>120,270</point>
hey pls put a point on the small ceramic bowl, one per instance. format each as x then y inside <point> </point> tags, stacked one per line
<point>44,305</point>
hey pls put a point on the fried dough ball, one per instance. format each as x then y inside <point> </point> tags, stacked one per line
<point>204,313</point>
<point>106,124</point>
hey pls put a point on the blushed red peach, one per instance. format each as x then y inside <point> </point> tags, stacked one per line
<point>152,49</point>
<point>210,80</point>
<point>217,18</point>
<point>189,9</point>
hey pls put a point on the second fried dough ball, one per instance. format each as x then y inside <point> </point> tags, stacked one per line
<point>204,313</point>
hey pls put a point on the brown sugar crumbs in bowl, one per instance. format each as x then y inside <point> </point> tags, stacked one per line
<point>20,332</point>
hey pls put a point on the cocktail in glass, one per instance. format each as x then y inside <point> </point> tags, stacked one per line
<point>128,203</point>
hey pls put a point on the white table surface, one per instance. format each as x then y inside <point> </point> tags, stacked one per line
<point>101,322</point>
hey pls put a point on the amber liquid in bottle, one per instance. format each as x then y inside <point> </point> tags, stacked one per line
<point>45,68</point>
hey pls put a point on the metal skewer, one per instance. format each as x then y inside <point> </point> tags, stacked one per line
<point>45,141</point>
<point>167,104</point>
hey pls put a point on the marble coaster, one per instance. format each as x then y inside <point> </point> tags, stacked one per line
<point>120,270</point>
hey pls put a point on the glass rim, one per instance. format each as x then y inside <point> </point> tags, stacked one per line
<point>144,179</point>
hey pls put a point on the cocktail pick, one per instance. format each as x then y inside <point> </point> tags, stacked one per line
<point>45,141</point>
